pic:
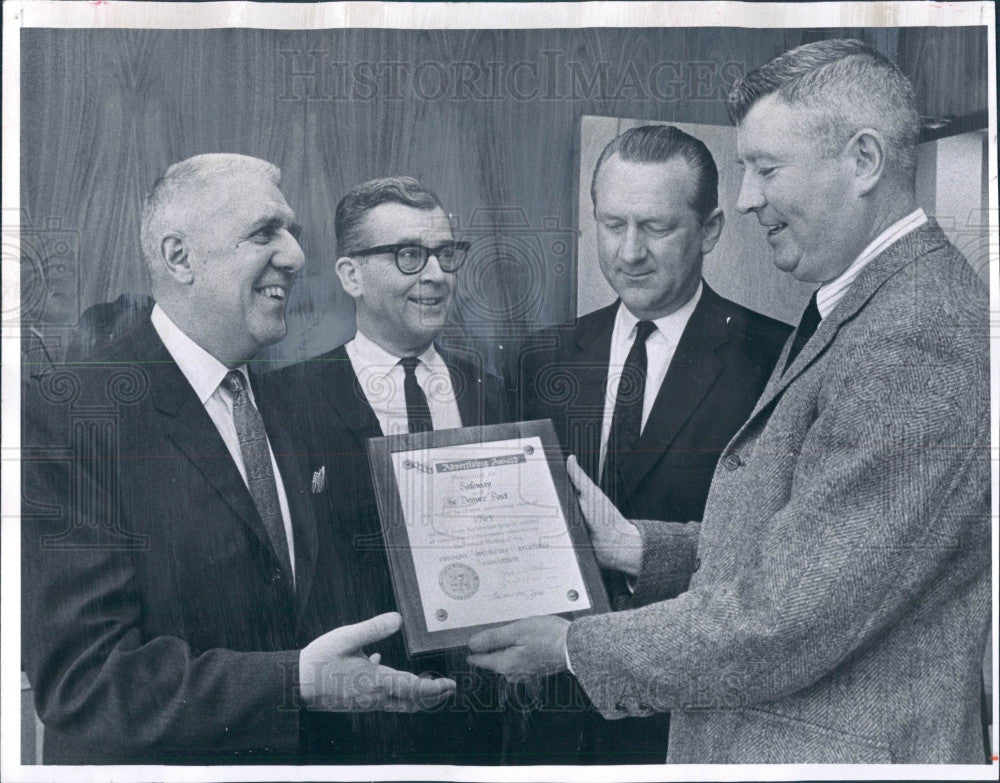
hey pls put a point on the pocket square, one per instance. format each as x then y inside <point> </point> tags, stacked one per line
<point>319,480</point>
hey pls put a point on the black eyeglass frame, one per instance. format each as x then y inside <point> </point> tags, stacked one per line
<point>462,246</point>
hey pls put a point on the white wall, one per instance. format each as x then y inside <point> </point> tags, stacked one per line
<point>952,186</point>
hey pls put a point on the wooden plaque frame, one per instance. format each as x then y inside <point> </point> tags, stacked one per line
<point>420,639</point>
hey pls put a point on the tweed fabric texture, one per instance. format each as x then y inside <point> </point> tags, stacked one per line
<point>839,597</point>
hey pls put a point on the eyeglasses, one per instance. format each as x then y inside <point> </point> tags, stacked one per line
<point>412,258</point>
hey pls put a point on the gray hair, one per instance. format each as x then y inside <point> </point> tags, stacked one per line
<point>176,195</point>
<point>348,221</point>
<point>849,86</point>
<point>660,144</point>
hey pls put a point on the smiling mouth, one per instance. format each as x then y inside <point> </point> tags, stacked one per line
<point>275,292</point>
<point>426,301</point>
<point>775,229</point>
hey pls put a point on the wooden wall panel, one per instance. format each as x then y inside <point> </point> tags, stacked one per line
<point>948,66</point>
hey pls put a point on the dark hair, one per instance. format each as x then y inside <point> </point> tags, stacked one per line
<point>349,219</point>
<point>659,144</point>
<point>848,85</point>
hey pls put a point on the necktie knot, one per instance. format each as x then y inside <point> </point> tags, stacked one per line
<point>643,330</point>
<point>409,364</point>
<point>807,328</point>
<point>811,316</point>
<point>234,383</point>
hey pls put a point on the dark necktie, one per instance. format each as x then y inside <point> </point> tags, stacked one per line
<point>626,423</point>
<point>257,463</point>
<point>807,327</point>
<point>418,414</point>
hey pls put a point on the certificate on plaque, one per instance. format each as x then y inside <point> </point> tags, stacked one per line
<point>482,527</point>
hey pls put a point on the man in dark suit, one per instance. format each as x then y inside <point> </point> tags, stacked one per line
<point>649,417</point>
<point>168,545</point>
<point>398,260</point>
<point>836,596</point>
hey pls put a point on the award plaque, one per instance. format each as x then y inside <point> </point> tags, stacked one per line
<point>482,527</point>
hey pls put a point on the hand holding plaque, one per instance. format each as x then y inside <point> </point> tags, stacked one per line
<point>482,528</point>
<point>528,648</point>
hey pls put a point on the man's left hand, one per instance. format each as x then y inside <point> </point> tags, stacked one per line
<point>532,647</point>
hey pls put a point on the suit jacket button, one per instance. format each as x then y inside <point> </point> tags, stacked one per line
<point>732,461</point>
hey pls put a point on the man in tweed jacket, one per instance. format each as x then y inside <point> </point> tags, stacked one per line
<point>837,595</point>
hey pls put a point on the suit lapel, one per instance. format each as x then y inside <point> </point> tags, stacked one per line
<point>191,429</point>
<point>293,476</point>
<point>903,252</point>
<point>465,383</point>
<point>695,366</point>
<point>589,365</point>
<point>340,386</point>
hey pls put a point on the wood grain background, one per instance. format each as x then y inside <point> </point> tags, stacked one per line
<point>488,119</point>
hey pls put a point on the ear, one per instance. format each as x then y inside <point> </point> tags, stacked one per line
<point>711,229</point>
<point>175,258</point>
<point>866,151</point>
<point>349,271</point>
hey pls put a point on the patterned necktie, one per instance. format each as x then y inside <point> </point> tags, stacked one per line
<point>418,413</point>
<point>807,327</point>
<point>257,463</point>
<point>626,423</point>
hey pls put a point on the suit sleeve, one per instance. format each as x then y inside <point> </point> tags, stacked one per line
<point>669,559</point>
<point>97,676</point>
<point>889,490</point>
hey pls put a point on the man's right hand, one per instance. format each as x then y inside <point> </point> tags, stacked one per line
<point>616,541</point>
<point>336,676</point>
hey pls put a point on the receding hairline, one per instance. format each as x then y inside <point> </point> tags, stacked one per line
<point>351,214</point>
<point>691,176</point>
<point>840,87</point>
<point>365,218</point>
<point>193,179</point>
<point>662,143</point>
<point>209,163</point>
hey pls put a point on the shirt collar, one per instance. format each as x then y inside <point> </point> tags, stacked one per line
<point>670,326</point>
<point>830,293</point>
<point>375,358</point>
<point>203,371</point>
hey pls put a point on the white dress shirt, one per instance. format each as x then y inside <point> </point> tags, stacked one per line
<point>205,373</point>
<point>381,377</point>
<point>660,348</point>
<point>830,293</point>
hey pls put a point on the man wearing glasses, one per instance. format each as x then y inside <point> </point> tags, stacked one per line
<point>398,260</point>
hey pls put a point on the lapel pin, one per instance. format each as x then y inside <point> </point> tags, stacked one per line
<point>319,480</point>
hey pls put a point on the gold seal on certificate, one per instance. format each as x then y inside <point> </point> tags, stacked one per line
<point>458,580</point>
<point>481,527</point>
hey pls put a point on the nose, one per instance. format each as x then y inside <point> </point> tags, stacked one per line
<point>633,247</point>
<point>751,195</point>
<point>289,256</point>
<point>432,269</point>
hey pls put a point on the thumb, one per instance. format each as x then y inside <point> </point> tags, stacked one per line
<point>577,475</point>
<point>598,511</point>
<point>351,638</point>
<point>494,638</point>
<point>591,497</point>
